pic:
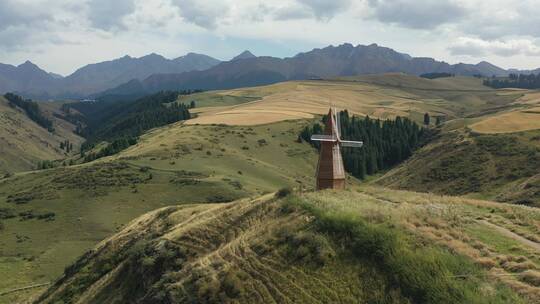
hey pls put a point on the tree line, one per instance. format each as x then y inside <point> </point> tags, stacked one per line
<point>437,75</point>
<point>66,145</point>
<point>125,122</point>
<point>111,149</point>
<point>521,81</point>
<point>386,143</point>
<point>32,110</point>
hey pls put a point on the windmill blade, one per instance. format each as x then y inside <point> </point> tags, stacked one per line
<point>338,123</point>
<point>352,144</point>
<point>323,138</point>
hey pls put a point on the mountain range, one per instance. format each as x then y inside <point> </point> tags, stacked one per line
<point>151,73</point>
<point>29,80</point>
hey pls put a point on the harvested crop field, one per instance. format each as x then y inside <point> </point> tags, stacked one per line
<point>515,121</point>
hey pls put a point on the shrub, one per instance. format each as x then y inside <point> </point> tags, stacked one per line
<point>48,216</point>
<point>284,192</point>
<point>307,246</point>
<point>6,213</point>
<point>232,285</point>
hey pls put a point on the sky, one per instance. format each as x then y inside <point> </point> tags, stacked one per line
<point>63,35</point>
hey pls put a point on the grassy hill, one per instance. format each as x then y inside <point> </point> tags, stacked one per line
<point>503,167</point>
<point>365,246</point>
<point>51,217</point>
<point>23,142</point>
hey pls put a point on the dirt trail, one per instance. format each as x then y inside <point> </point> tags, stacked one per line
<point>3,293</point>
<point>512,235</point>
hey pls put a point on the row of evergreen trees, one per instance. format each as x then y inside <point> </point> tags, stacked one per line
<point>437,75</point>
<point>32,110</point>
<point>124,127</point>
<point>386,143</point>
<point>66,145</point>
<point>111,149</point>
<point>522,81</point>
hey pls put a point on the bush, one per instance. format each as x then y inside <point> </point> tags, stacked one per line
<point>6,213</point>
<point>307,247</point>
<point>284,192</point>
<point>48,216</point>
<point>232,285</point>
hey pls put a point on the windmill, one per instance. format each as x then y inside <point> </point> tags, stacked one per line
<point>330,169</point>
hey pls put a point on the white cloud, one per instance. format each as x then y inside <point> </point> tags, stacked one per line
<point>476,47</point>
<point>14,13</point>
<point>418,14</point>
<point>109,15</point>
<point>326,9</point>
<point>206,14</point>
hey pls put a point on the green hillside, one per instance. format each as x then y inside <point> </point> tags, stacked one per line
<point>23,142</point>
<point>173,165</point>
<point>503,167</point>
<point>370,246</point>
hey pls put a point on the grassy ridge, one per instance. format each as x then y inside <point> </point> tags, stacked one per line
<point>353,247</point>
<point>502,167</point>
<point>424,274</point>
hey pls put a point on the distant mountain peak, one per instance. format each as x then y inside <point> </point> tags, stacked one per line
<point>153,55</point>
<point>28,63</point>
<point>244,55</point>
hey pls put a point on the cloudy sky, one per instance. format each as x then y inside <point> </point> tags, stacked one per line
<point>62,35</point>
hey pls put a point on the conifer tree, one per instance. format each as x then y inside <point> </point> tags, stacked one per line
<point>427,119</point>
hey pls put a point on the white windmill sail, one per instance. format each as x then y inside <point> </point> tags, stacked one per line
<point>351,144</point>
<point>337,138</point>
<point>324,138</point>
<point>338,123</point>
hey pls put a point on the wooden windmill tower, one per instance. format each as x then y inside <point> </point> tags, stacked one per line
<point>330,169</point>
